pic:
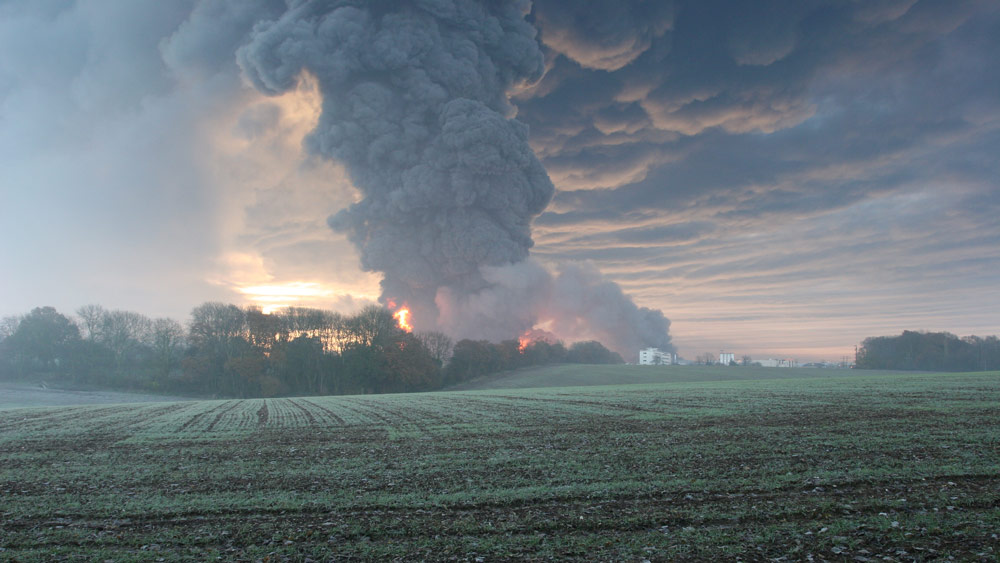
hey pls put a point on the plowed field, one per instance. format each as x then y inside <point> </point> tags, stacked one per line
<point>893,467</point>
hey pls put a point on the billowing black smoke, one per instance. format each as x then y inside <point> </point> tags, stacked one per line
<point>415,105</point>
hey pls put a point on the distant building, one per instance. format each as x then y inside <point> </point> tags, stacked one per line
<point>772,363</point>
<point>726,358</point>
<point>656,357</point>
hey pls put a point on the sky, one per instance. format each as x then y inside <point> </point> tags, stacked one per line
<point>779,178</point>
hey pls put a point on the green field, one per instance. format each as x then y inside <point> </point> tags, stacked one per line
<point>575,375</point>
<point>20,394</point>
<point>847,466</point>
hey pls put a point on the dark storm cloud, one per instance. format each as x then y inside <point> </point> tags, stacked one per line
<point>602,35</point>
<point>858,100</point>
<point>700,77</point>
<point>832,147</point>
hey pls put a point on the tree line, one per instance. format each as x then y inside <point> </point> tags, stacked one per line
<point>929,351</point>
<point>232,351</point>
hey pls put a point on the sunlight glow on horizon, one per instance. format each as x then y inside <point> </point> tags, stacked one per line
<point>275,296</point>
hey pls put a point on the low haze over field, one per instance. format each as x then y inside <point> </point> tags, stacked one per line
<point>774,177</point>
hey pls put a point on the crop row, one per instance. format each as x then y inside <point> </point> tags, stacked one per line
<point>863,467</point>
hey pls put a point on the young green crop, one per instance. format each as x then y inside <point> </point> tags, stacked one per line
<point>829,467</point>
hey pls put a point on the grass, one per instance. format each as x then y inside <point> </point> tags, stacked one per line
<point>845,466</point>
<point>569,375</point>
<point>23,394</point>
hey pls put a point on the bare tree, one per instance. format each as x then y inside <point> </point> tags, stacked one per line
<point>707,359</point>
<point>219,332</point>
<point>746,360</point>
<point>166,336</point>
<point>122,332</point>
<point>438,344</point>
<point>327,326</point>
<point>373,326</point>
<point>215,326</point>
<point>263,330</point>
<point>91,316</point>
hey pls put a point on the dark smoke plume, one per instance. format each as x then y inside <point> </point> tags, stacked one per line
<point>415,105</point>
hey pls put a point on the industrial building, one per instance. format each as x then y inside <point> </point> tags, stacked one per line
<point>656,357</point>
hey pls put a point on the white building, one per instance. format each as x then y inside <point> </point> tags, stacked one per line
<point>772,363</point>
<point>726,358</point>
<point>656,357</point>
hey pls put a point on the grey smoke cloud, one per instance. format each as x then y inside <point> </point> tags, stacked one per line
<point>575,303</point>
<point>415,105</point>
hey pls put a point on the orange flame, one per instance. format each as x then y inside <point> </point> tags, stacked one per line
<point>402,317</point>
<point>524,341</point>
<point>533,335</point>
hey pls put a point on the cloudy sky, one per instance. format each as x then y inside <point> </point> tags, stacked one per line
<point>780,178</point>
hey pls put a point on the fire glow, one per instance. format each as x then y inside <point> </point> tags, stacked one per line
<point>524,341</point>
<point>533,335</point>
<point>402,317</point>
